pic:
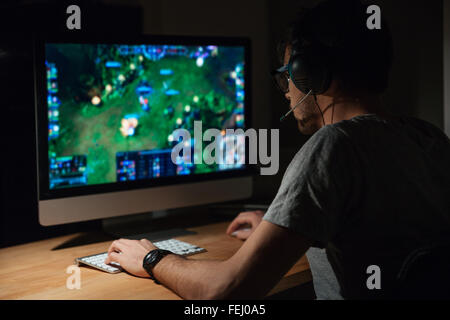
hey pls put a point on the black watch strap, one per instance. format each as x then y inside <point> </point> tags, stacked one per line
<point>151,260</point>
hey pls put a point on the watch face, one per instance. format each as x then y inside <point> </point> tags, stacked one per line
<point>152,258</point>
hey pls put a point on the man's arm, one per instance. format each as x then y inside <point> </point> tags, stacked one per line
<point>251,272</point>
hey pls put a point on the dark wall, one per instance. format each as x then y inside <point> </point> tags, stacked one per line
<point>18,21</point>
<point>416,86</point>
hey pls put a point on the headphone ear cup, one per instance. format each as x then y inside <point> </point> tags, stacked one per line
<point>308,72</point>
<point>299,73</point>
<point>321,78</point>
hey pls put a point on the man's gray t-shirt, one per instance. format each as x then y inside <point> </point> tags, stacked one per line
<point>370,190</point>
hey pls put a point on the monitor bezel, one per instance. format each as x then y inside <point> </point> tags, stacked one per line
<point>41,112</point>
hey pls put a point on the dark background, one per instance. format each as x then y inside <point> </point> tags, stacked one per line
<point>416,86</point>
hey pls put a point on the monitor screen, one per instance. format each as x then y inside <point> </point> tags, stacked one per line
<point>112,109</point>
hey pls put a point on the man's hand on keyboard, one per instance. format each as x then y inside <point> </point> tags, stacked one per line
<point>130,254</point>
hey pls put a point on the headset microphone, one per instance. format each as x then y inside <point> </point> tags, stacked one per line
<point>292,109</point>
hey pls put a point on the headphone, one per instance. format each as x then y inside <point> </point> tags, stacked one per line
<point>309,68</point>
<point>316,42</point>
<point>310,65</point>
<point>309,71</point>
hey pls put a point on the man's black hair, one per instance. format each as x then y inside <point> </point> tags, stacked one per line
<point>359,58</point>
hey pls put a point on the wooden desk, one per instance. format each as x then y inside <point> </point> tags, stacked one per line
<point>35,271</point>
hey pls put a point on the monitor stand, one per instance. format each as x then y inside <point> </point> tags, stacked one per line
<point>153,226</point>
<point>167,224</point>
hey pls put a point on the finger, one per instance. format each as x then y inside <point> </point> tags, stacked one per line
<point>113,257</point>
<point>245,213</point>
<point>236,223</point>
<point>260,212</point>
<point>251,215</point>
<point>117,245</point>
<point>127,242</point>
<point>242,234</point>
<point>245,217</point>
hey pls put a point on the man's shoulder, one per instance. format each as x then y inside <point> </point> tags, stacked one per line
<point>426,128</point>
<point>344,129</point>
<point>358,124</point>
<point>329,135</point>
<point>368,128</point>
<point>367,121</point>
<point>372,125</point>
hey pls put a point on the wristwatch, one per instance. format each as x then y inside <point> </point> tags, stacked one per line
<point>151,259</point>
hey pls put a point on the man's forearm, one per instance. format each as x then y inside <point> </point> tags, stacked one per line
<point>193,279</point>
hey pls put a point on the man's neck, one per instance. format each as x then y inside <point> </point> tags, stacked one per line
<point>346,108</point>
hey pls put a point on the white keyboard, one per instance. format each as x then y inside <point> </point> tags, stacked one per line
<point>176,246</point>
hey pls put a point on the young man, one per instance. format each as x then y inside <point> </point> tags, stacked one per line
<point>367,186</point>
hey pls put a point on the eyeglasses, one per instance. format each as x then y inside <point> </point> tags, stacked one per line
<point>281,77</point>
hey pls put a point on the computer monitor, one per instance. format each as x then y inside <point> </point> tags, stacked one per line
<point>107,110</point>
